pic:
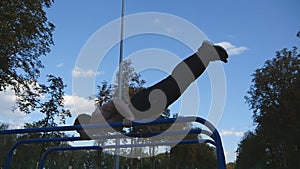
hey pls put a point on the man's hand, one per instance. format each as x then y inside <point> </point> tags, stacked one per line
<point>123,109</point>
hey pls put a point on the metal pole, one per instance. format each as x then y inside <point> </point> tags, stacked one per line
<point>121,53</point>
<point>120,85</point>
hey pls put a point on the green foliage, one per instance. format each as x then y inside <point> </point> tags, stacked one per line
<point>128,83</point>
<point>26,35</point>
<point>50,103</point>
<point>49,100</point>
<point>6,142</point>
<point>274,98</point>
<point>104,93</point>
<point>230,165</point>
<point>201,156</point>
<point>251,152</point>
<point>277,77</point>
<point>54,105</point>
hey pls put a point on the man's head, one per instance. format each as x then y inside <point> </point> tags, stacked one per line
<point>81,120</point>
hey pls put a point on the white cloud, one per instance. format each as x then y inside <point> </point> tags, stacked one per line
<point>78,105</point>
<point>230,155</point>
<point>79,72</point>
<point>232,132</point>
<point>156,21</point>
<point>60,65</point>
<point>232,49</point>
<point>15,119</point>
<point>7,97</point>
<point>170,30</point>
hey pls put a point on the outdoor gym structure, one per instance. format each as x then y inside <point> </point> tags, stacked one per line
<point>214,135</point>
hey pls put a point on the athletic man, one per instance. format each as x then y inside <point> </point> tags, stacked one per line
<point>149,103</point>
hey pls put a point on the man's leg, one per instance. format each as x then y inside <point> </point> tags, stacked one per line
<point>155,99</point>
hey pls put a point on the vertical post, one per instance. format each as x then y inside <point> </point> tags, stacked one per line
<point>121,52</point>
<point>117,151</point>
<point>219,148</point>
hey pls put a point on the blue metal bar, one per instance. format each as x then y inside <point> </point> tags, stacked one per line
<point>42,160</point>
<point>114,124</point>
<point>214,135</point>
<point>157,144</point>
<point>43,140</point>
<point>37,140</point>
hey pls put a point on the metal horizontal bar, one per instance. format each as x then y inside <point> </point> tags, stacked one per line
<point>106,125</point>
<point>43,140</point>
<point>213,133</point>
<point>42,160</point>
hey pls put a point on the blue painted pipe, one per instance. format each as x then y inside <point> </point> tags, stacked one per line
<point>106,125</point>
<point>43,140</point>
<point>42,160</point>
<point>215,134</point>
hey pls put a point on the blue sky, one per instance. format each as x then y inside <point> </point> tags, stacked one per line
<point>253,30</point>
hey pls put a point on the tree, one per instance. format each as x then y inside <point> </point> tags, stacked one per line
<point>129,83</point>
<point>251,152</point>
<point>190,156</point>
<point>271,82</point>
<point>230,165</point>
<point>104,93</point>
<point>29,154</point>
<point>53,106</point>
<point>274,98</point>
<point>26,35</point>
<point>6,142</point>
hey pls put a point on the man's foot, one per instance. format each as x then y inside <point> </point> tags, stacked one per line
<point>210,52</point>
<point>223,55</point>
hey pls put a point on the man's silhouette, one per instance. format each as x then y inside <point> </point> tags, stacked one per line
<point>149,103</point>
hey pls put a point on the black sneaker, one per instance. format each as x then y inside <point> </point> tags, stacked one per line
<point>210,52</point>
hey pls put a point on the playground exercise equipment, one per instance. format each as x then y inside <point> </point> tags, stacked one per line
<point>212,133</point>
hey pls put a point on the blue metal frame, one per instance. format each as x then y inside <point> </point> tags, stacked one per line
<point>214,134</point>
<point>50,150</point>
<point>44,140</point>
